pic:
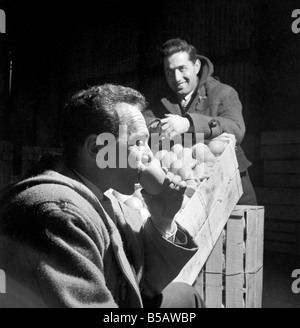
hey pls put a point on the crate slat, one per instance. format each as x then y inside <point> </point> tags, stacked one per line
<point>213,276</point>
<point>234,262</point>
<point>254,255</point>
<point>199,285</point>
<point>251,257</point>
<point>260,223</point>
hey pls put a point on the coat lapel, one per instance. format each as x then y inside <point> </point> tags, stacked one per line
<point>172,107</point>
<point>117,245</point>
<point>110,220</point>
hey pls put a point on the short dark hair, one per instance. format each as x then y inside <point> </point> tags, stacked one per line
<point>92,111</point>
<point>174,46</point>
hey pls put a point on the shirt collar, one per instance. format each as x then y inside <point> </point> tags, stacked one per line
<point>188,97</point>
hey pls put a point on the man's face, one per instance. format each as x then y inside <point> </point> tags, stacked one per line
<point>134,137</point>
<point>181,73</point>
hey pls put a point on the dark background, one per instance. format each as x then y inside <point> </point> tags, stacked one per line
<point>59,47</point>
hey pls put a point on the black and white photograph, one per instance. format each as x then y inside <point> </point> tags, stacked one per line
<point>150,156</point>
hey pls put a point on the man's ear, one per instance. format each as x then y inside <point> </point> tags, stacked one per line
<point>198,65</point>
<point>91,146</point>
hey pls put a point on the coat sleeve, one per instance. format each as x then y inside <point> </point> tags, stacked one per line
<point>149,116</point>
<point>163,258</point>
<point>228,117</point>
<point>62,262</point>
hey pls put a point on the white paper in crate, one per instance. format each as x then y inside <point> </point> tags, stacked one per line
<point>210,207</point>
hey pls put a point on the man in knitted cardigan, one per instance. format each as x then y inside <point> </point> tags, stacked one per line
<point>65,241</point>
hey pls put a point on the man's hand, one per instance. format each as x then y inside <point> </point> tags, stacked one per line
<point>155,127</point>
<point>174,125</point>
<point>164,206</point>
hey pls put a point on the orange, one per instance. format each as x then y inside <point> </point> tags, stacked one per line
<point>134,202</point>
<point>168,159</point>
<point>217,147</point>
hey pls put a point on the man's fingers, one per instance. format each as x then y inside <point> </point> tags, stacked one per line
<point>175,182</point>
<point>147,197</point>
<point>182,184</point>
<point>176,179</point>
<point>170,176</point>
<point>164,121</point>
<point>173,134</point>
<point>165,127</point>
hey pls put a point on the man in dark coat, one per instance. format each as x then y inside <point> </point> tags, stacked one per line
<point>66,241</point>
<point>196,102</point>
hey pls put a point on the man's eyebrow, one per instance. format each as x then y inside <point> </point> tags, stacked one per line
<point>177,67</point>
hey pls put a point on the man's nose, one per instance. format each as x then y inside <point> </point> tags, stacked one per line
<point>178,75</point>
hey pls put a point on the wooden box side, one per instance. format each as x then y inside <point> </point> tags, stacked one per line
<point>208,211</point>
<point>232,276</point>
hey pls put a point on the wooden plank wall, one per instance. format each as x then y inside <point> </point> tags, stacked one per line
<point>280,151</point>
<point>121,47</point>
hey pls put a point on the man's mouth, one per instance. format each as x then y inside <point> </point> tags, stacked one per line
<point>180,85</point>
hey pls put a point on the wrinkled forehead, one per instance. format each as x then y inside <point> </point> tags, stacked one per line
<point>131,119</point>
<point>177,59</point>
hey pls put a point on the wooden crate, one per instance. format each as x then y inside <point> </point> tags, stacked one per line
<point>30,155</point>
<point>210,207</point>
<point>233,274</point>
<point>6,163</point>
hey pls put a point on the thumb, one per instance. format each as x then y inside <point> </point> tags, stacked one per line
<point>147,197</point>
